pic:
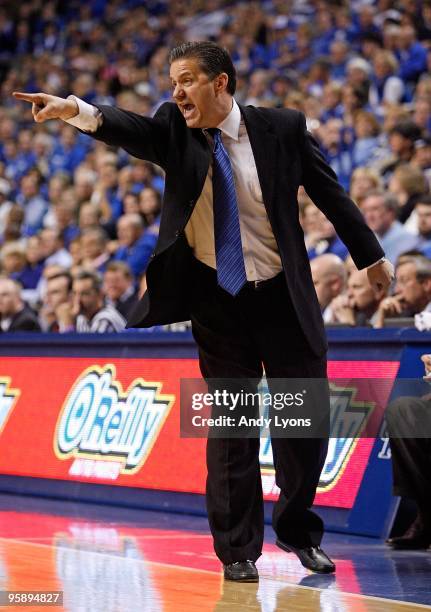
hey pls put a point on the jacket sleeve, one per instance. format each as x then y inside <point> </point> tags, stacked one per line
<point>143,137</point>
<point>321,184</point>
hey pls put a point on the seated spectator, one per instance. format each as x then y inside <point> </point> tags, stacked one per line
<point>338,55</point>
<point>53,248</point>
<point>329,278</point>
<point>64,214</point>
<point>29,276</point>
<point>68,152</point>
<point>358,306</point>
<point>412,290</point>
<point>422,113</point>
<point>408,183</point>
<point>422,156</point>
<point>331,101</point>
<point>321,237</point>
<point>89,216</point>
<point>13,226</point>
<point>150,205</point>
<point>15,315</point>
<point>422,213</point>
<point>401,139</point>
<point>58,291</point>
<point>135,244</point>
<point>94,248</point>
<point>119,288</point>
<point>337,149</point>
<point>13,259</point>
<point>408,421</point>
<point>411,55</point>
<point>131,203</point>
<point>106,193</point>
<point>83,180</point>
<point>381,211</point>
<point>32,202</point>
<point>387,88</point>
<point>363,180</point>
<point>367,129</point>
<point>88,311</point>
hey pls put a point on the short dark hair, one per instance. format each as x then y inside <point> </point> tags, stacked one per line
<point>94,277</point>
<point>423,199</point>
<point>67,275</point>
<point>212,58</point>
<point>407,129</point>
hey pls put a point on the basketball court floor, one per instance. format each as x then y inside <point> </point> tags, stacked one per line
<point>107,559</point>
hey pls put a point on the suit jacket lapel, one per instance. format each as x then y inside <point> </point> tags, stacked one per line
<point>264,146</point>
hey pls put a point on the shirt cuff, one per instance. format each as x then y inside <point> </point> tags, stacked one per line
<point>381,260</point>
<point>89,117</point>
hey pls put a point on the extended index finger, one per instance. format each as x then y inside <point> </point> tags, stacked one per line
<point>27,97</point>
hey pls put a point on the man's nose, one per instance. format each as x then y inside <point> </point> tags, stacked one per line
<point>178,93</point>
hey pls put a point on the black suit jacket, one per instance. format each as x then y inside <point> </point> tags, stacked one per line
<point>286,157</point>
<point>25,320</point>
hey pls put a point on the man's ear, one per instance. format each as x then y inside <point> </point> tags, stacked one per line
<point>220,82</point>
<point>427,286</point>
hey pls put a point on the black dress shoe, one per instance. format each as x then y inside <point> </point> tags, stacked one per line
<point>417,537</point>
<point>311,557</point>
<point>241,571</point>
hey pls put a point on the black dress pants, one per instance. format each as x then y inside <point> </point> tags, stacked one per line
<point>408,421</point>
<point>236,336</point>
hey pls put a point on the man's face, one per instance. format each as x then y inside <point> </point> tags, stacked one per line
<point>327,284</point>
<point>86,300</point>
<point>9,300</point>
<point>91,245</point>
<point>115,284</point>
<point>376,215</point>
<point>57,292</point>
<point>88,216</point>
<point>359,291</point>
<point>423,212</point>
<point>49,242</point>
<point>127,232</point>
<point>414,293</point>
<point>194,93</point>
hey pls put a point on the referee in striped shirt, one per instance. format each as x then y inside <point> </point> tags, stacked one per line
<point>92,314</point>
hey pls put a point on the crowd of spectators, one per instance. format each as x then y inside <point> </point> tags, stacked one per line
<point>79,220</point>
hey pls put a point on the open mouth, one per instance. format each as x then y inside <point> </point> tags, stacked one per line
<point>187,110</point>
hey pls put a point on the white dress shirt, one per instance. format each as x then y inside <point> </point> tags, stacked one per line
<point>261,256</point>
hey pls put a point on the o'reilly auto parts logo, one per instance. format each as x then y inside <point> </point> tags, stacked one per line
<point>107,430</point>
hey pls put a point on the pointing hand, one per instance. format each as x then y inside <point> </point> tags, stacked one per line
<point>45,106</point>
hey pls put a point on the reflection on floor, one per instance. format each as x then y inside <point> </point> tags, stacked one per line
<point>113,559</point>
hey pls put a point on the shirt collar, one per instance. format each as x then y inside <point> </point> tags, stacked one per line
<point>230,124</point>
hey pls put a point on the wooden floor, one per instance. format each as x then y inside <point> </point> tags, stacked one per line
<point>108,565</point>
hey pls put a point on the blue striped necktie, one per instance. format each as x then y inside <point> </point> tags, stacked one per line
<point>231,274</point>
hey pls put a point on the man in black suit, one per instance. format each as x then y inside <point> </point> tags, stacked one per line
<point>15,315</point>
<point>231,258</point>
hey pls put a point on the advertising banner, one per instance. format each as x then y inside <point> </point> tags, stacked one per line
<point>117,421</point>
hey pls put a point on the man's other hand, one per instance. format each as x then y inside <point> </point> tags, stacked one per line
<point>45,106</point>
<point>381,275</point>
